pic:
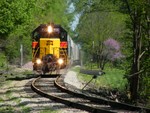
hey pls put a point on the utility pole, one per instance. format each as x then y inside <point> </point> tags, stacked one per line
<point>21,54</point>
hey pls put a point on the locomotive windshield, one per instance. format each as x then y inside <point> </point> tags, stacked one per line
<point>46,31</point>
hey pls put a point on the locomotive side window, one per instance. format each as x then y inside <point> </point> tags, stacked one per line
<point>36,36</point>
<point>63,36</point>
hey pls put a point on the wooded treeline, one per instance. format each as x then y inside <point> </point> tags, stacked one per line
<point>118,32</point>
<point>18,18</point>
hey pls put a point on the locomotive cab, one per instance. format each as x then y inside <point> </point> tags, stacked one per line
<point>49,48</point>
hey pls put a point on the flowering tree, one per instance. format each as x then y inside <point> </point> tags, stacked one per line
<point>110,51</point>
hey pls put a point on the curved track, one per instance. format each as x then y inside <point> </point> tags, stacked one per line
<point>54,88</point>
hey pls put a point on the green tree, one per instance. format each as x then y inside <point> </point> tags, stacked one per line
<point>15,19</point>
<point>97,24</point>
<point>19,18</point>
<point>138,11</point>
<point>136,42</point>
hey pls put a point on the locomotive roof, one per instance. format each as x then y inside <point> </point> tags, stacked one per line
<point>41,30</point>
<point>45,25</point>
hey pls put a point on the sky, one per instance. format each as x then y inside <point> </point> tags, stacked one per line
<point>76,17</point>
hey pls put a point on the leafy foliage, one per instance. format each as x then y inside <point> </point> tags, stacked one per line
<point>139,32</point>
<point>92,32</point>
<point>19,18</point>
<point>102,19</point>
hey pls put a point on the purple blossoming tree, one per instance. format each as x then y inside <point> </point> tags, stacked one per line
<point>109,52</point>
<point>112,48</point>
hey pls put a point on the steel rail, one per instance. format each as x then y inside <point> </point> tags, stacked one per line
<point>113,104</point>
<point>67,102</point>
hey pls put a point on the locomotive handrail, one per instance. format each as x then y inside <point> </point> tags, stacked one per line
<point>35,52</point>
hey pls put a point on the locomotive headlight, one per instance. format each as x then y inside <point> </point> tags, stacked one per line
<point>38,61</point>
<point>50,29</point>
<point>60,61</point>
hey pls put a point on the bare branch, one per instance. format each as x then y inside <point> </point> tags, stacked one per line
<point>129,76</point>
<point>141,54</point>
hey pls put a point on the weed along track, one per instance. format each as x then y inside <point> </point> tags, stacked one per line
<point>53,87</point>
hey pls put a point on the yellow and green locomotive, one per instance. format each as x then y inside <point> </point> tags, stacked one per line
<point>49,48</point>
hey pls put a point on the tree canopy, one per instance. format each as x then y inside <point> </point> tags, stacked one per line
<point>127,21</point>
<point>19,18</point>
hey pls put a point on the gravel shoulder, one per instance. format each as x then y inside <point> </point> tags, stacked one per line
<point>71,78</point>
<point>17,96</point>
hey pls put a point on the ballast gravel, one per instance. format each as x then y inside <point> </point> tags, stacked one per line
<point>71,78</point>
<point>18,96</point>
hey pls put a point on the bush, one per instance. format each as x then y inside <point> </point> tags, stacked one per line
<point>3,60</point>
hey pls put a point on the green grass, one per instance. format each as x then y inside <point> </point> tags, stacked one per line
<point>77,69</point>
<point>26,109</point>
<point>113,78</point>
<point>17,100</point>
<point>2,60</point>
<point>8,82</point>
<point>27,72</point>
<point>8,109</point>
<point>48,110</point>
<point>1,99</point>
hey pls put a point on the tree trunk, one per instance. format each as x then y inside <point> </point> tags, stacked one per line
<point>134,83</point>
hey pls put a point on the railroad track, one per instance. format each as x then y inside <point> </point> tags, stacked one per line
<point>53,87</point>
